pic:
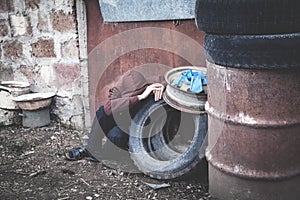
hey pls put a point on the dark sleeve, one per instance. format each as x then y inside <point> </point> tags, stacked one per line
<point>156,79</point>
<point>116,102</point>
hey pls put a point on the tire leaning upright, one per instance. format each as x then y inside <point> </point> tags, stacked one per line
<point>151,121</point>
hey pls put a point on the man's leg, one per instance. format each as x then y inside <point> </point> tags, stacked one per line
<point>116,144</point>
<point>101,126</point>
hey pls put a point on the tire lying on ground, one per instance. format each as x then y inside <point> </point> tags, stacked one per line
<point>164,143</point>
<point>254,51</point>
<point>248,16</point>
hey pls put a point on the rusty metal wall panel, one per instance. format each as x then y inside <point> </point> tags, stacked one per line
<point>150,10</point>
<point>152,47</point>
<point>254,136</point>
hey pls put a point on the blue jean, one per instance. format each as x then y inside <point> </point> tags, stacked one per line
<point>102,126</point>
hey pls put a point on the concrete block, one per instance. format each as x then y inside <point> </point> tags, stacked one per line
<point>70,49</point>
<point>7,117</point>
<point>6,6</point>
<point>3,6</point>
<point>19,25</point>
<point>69,111</point>
<point>43,48</point>
<point>19,6</point>
<point>77,121</point>
<point>28,72</point>
<point>4,30</point>
<point>67,75</point>
<point>6,72</point>
<point>47,76</point>
<point>33,4</point>
<point>63,22</point>
<point>71,3</point>
<point>58,3</point>
<point>12,49</point>
<point>42,22</point>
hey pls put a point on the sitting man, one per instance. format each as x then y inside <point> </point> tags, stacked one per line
<point>113,119</point>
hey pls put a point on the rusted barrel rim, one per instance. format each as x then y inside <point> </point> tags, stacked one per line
<point>244,172</point>
<point>246,120</point>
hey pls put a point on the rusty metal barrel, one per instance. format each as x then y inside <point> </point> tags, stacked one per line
<point>253,133</point>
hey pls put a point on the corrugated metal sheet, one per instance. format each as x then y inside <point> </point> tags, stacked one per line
<point>150,10</point>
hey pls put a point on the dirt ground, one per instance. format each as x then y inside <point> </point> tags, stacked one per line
<point>33,166</point>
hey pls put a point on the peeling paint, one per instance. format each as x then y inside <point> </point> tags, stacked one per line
<point>246,119</point>
<point>227,83</point>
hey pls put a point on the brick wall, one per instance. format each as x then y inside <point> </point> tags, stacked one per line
<point>39,44</point>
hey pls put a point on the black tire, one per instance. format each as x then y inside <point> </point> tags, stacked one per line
<point>160,149</point>
<point>248,16</point>
<point>163,165</point>
<point>254,51</point>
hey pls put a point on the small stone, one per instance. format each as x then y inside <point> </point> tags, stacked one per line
<point>73,190</point>
<point>89,198</point>
<point>53,137</point>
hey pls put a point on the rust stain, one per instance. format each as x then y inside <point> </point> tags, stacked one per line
<point>253,132</point>
<point>98,32</point>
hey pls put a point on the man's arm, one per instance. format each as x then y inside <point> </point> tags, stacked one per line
<point>117,102</point>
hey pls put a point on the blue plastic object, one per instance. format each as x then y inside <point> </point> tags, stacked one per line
<point>195,79</point>
<point>178,81</point>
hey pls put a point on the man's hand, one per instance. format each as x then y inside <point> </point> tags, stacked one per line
<point>155,88</point>
<point>158,91</point>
